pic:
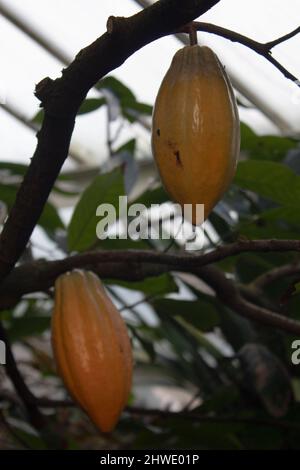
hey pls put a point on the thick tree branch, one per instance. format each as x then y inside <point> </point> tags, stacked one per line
<point>131,265</point>
<point>61,100</point>
<point>134,265</point>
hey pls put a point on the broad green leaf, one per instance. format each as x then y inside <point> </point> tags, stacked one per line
<point>159,285</point>
<point>129,105</point>
<point>266,147</point>
<point>127,147</point>
<point>141,108</point>
<point>38,118</point>
<point>290,214</point>
<point>49,220</point>
<point>249,266</point>
<point>200,314</point>
<point>28,326</point>
<point>270,180</point>
<point>296,289</point>
<point>152,196</point>
<point>121,91</point>
<point>145,343</point>
<point>14,168</point>
<point>88,105</point>
<point>189,363</point>
<point>223,398</point>
<point>131,109</point>
<point>91,104</point>
<point>123,244</point>
<point>266,229</point>
<point>25,434</point>
<point>105,189</point>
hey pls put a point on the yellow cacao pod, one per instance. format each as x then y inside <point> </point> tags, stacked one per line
<point>196,132</point>
<point>91,347</point>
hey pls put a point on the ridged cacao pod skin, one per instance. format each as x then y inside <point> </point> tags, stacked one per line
<point>196,130</point>
<point>91,347</point>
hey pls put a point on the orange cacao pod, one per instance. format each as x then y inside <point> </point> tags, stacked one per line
<point>91,347</point>
<point>196,132</point>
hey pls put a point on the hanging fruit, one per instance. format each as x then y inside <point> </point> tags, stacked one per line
<point>196,131</point>
<point>91,347</point>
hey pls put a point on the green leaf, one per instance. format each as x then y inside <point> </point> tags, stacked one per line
<point>250,266</point>
<point>159,285</point>
<point>26,434</point>
<point>14,168</point>
<point>127,147</point>
<point>105,188</point>
<point>121,91</point>
<point>290,214</point>
<point>49,220</point>
<point>122,244</point>
<point>145,343</point>
<point>38,118</point>
<point>88,105</point>
<point>271,180</point>
<point>264,229</point>
<point>152,196</point>
<point>129,105</point>
<point>132,108</point>
<point>28,326</point>
<point>296,289</point>
<point>221,400</point>
<point>91,104</point>
<point>200,314</point>
<point>267,147</point>
<point>141,108</point>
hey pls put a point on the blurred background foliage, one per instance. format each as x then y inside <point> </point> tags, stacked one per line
<point>212,379</point>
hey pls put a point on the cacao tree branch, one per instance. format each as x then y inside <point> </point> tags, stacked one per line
<point>128,265</point>
<point>133,265</point>
<point>61,99</point>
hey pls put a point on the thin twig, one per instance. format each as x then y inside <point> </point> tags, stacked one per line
<point>35,417</point>
<point>286,37</point>
<point>276,274</point>
<point>263,49</point>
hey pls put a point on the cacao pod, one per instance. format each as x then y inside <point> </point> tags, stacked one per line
<point>196,132</point>
<point>91,347</point>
